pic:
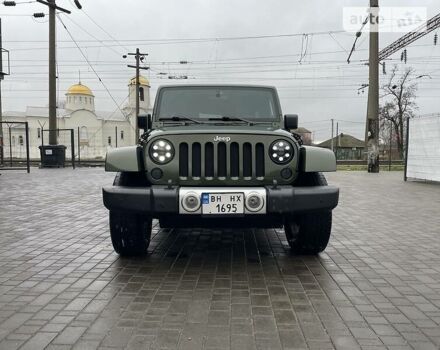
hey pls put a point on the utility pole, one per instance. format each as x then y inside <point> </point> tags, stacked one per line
<point>52,75</point>
<point>140,57</point>
<point>51,4</point>
<point>372,125</point>
<point>137,92</point>
<point>2,76</point>
<point>332,145</point>
<point>337,140</point>
<point>53,154</point>
<point>52,69</point>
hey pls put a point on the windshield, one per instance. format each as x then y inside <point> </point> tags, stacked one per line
<point>209,102</point>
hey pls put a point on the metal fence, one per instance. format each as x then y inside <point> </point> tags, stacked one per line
<point>90,144</point>
<point>14,146</point>
<point>93,143</point>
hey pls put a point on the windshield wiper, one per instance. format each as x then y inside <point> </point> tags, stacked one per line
<point>180,118</point>
<point>235,119</point>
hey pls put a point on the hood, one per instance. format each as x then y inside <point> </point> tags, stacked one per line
<point>260,129</point>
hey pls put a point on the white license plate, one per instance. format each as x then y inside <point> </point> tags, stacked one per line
<point>222,203</point>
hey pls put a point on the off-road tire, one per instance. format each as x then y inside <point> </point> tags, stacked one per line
<point>309,233</point>
<point>130,232</point>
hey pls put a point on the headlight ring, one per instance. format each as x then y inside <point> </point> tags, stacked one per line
<point>281,151</point>
<point>161,151</point>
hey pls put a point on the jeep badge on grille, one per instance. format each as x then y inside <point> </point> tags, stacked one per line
<point>222,138</point>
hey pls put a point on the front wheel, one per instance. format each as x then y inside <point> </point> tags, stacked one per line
<point>309,233</point>
<point>130,233</point>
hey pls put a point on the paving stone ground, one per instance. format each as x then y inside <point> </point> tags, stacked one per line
<point>377,286</point>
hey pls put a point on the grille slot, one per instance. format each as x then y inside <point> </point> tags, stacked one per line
<point>209,159</point>
<point>259,160</point>
<point>183,160</point>
<point>247,160</point>
<point>196,160</point>
<point>222,160</point>
<point>235,160</point>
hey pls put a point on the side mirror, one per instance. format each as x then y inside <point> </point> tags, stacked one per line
<point>291,121</point>
<point>145,122</point>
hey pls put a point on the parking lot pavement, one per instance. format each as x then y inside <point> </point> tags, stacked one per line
<point>377,286</point>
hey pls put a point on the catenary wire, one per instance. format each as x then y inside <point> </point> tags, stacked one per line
<point>91,67</point>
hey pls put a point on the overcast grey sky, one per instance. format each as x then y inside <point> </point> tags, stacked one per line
<point>320,87</point>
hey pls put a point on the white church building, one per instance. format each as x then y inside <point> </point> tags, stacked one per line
<point>95,131</point>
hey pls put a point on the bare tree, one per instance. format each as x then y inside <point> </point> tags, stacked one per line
<point>398,98</point>
<point>385,134</point>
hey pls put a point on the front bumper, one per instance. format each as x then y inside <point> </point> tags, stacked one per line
<point>159,201</point>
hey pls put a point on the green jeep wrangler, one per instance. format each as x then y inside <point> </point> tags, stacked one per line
<point>220,156</point>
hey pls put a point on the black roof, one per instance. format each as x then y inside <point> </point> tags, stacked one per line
<point>344,141</point>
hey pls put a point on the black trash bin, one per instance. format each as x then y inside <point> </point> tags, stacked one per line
<point>53,156</point>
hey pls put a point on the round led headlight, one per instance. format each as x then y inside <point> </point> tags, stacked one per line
<point>281,151</point>
<point>161,151</point>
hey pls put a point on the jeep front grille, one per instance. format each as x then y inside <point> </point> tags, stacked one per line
<point>221,161</point>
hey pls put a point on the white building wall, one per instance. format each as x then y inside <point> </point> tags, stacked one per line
<point>93,135</point>
<point>144,103</point>
<point>80,101</point>
<point>91,130</point>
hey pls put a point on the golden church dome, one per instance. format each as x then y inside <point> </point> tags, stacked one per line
<point>79,89</point>
<point>142,81</point>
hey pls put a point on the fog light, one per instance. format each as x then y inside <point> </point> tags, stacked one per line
<point>156,173</point>
<point>191,202</point>
<point>286,173</point>
<point>254,202</point>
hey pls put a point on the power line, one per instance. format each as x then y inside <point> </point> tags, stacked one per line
<point>105,31</point>
<point>308,89</point>
<point>315,121</point>
<point>14,3</point>
<point>349,121</point>
<point>16,15</point>
<point>91,67</point>
<point>91,35</point>
<point>410,37</point>
<point>223,60</point>
<point>337,42</point>
<point>180,41</point>
<point>241,69</point>
<point>201,39</point>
